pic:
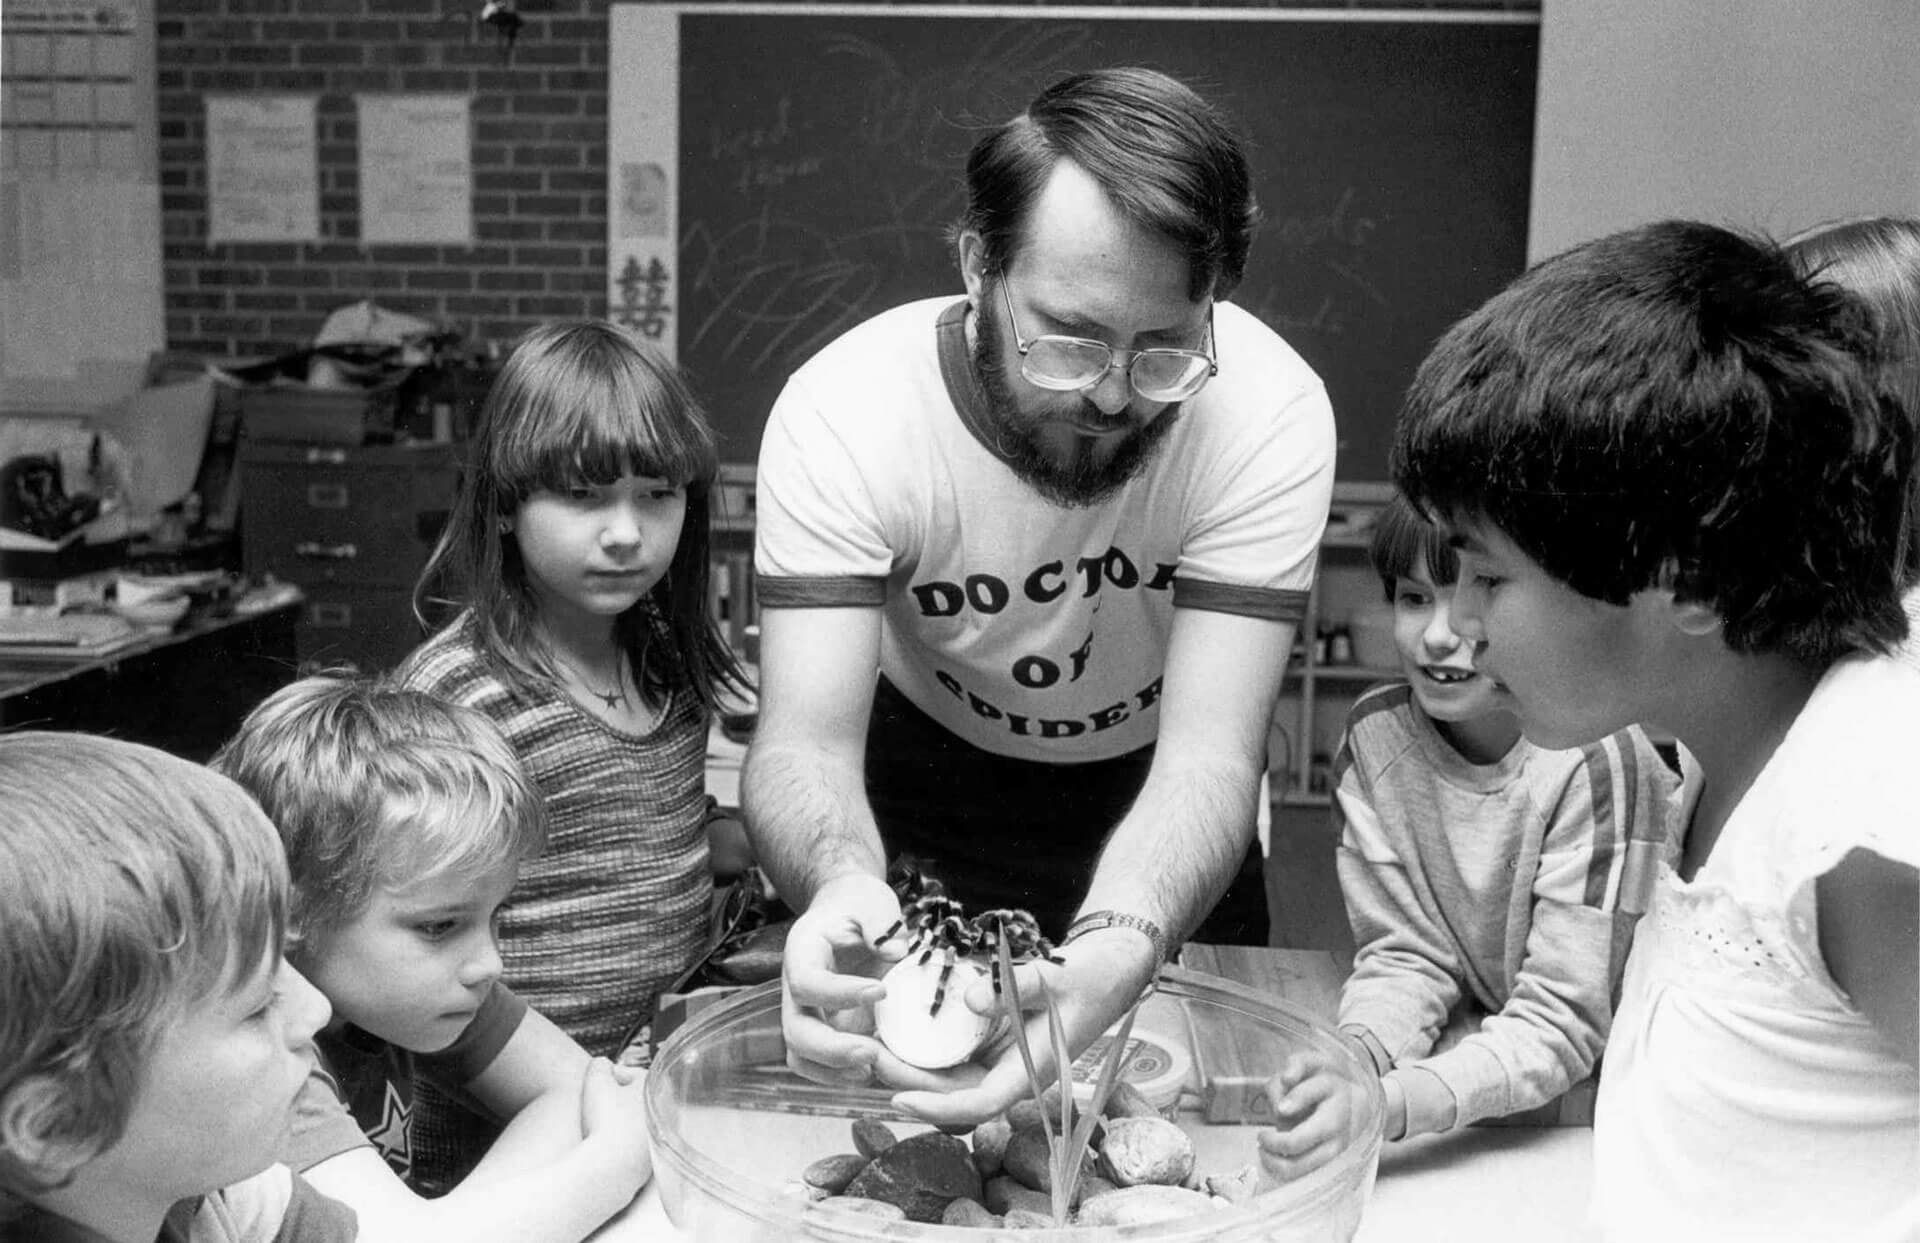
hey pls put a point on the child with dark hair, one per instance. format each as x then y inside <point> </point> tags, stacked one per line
<point>578,547</point>
<point>1674,473</point>
<point>1492,884</point>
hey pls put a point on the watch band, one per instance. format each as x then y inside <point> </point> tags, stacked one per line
<point>1093,921</point>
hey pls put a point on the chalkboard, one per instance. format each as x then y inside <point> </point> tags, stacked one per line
<point>796,171</point>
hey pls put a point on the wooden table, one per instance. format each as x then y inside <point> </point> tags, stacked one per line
<point>1511,1184</point>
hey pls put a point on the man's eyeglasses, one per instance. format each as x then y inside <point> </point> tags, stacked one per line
<point>1065,363</point>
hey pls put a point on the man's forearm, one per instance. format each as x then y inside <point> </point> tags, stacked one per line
<point>1178,848</point>
<point>809,821</point>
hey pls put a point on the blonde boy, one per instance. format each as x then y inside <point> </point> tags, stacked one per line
<point>152,1038</point>
<point>405,820</point>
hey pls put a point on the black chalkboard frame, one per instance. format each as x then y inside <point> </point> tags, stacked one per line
<point>779,172</point>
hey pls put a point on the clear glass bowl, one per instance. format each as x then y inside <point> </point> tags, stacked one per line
<point>733,1128</point>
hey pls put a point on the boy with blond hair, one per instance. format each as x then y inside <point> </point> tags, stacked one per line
<point>405,820</point>
<point>152,1037</point>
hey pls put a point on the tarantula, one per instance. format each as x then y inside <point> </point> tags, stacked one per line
<point>935,923</point>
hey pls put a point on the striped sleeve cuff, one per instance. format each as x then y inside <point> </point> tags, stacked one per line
<point>823,592</point>
<point>1270,603</point>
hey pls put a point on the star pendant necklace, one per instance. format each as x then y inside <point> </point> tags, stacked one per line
<point>613,698</point>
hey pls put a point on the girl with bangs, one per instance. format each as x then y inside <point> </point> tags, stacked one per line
<point>577,555</point>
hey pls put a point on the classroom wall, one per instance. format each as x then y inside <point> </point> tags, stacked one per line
<point>1768,113</point>
<point>1764,114</point>
<point>539,154</point>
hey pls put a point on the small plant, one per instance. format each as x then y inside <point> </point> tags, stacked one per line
<point>1067,1142</point>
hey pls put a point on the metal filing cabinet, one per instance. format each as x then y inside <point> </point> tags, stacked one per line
<point>352,526</point>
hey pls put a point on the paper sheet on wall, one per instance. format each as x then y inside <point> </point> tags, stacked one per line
<point>81,302</point>
<point>263,169</point>
<point>416,169</point>
<point>74,69</point>
<point>80,285</point>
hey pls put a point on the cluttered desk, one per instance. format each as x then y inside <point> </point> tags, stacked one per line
<point>123,606</point>
<point>180,679</point>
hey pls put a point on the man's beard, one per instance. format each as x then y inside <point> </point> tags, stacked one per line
<point>1083,480</point>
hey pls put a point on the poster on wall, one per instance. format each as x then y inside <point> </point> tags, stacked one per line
<point>643,202</point>
<point>81,283</point>
<point>75,75</point>
<point>416,169</point>
<point>263,169</point>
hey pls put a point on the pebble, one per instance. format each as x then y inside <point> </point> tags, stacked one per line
<point>832,1174</point>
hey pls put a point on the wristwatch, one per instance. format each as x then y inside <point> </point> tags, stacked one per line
<point>1094,921</point>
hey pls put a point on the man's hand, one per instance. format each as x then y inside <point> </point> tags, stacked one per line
<point>1104,973</point>
<point>829,983</point>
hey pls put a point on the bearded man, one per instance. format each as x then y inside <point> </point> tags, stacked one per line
<point>1030,564</point>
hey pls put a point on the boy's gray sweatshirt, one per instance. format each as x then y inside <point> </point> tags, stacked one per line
<point>1492,905</point>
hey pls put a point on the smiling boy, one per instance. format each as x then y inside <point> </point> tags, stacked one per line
<point>1492,884</point>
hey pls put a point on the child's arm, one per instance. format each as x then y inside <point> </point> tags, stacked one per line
<point>560,1203</point>
<point>1405,977</point>
<point>1869,920</point>
<point>1559,1008</point>
<point>535,1084</point>
<point>575,1153</point>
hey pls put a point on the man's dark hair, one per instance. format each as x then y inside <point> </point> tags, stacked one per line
<point>1167,159</point>
<point>1676,405</point>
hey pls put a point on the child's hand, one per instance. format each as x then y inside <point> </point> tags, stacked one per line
<point>613,1113</point>
<point>1318,1112</point>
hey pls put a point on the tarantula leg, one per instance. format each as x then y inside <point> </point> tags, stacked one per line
<point>890,933</point>
<point>940,986</point>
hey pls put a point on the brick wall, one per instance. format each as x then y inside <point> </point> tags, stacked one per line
<point>539,157</point>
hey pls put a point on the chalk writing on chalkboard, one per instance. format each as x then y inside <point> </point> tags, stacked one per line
<point>821,154</point>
